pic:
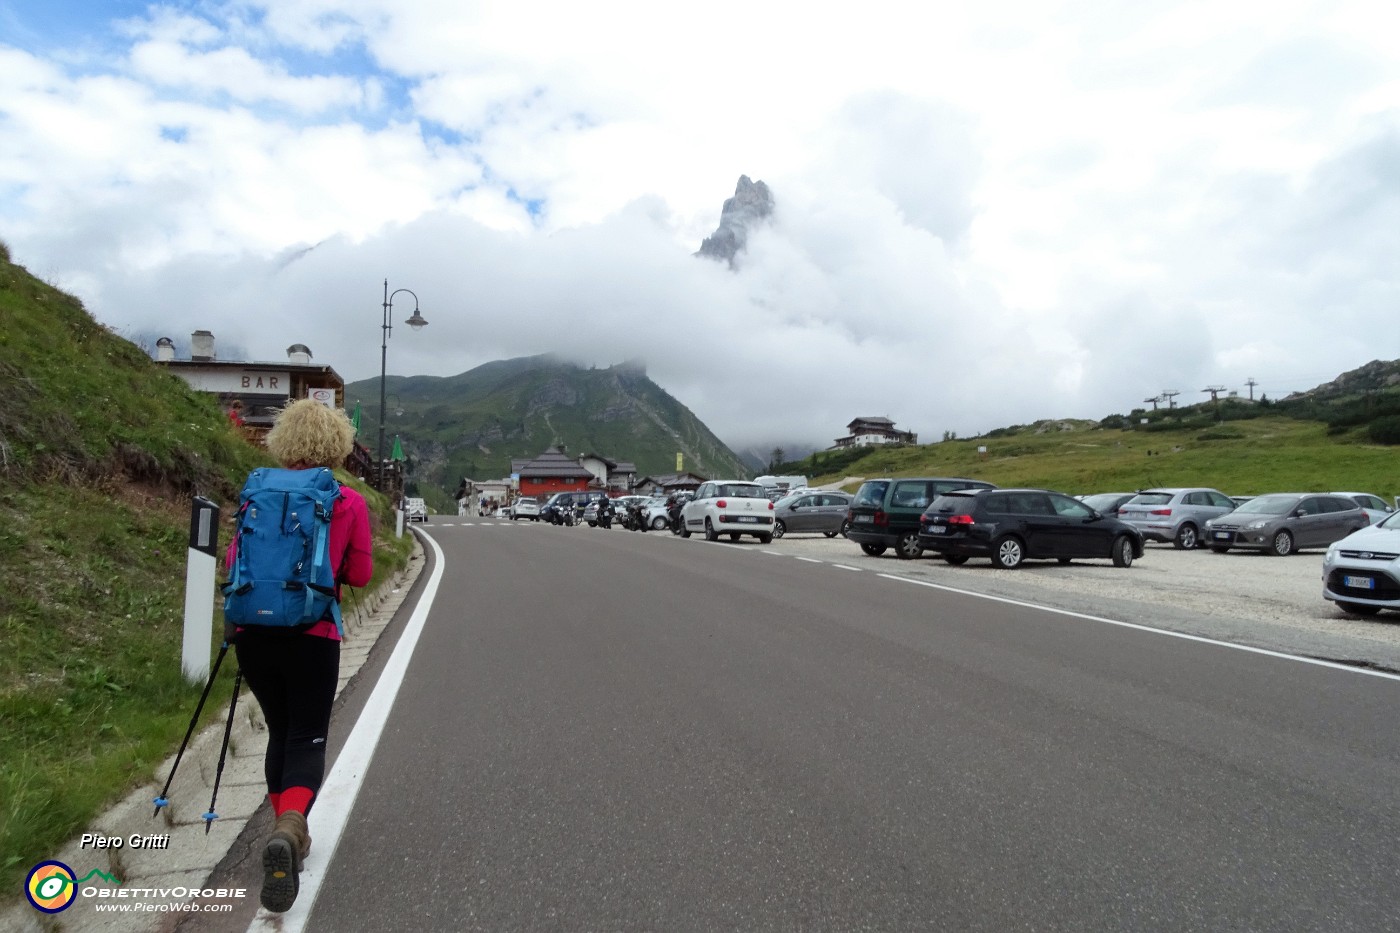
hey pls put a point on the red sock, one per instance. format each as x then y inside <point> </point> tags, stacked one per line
<point>294,798</point>
<point>276,800</point>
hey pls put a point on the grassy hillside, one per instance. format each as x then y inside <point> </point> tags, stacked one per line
<point>474,423</point>
<point>100,452</point>
<point>1272,452</point>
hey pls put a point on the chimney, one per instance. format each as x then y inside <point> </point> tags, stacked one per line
<point>165,350</point>
<point>202,346</point>
<point>299,354</point>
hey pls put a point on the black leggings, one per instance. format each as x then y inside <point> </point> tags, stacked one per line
<point>293,677</point>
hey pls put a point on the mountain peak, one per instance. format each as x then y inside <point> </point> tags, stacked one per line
<point>752,203</point>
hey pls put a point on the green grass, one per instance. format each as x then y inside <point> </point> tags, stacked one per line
<point>1266,454</point>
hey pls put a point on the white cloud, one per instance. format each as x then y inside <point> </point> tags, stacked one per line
<point>984,216</point>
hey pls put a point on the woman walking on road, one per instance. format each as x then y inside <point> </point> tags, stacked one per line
<point>293,671</point>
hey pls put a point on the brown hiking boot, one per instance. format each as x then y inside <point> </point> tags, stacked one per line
<point>282,858</point>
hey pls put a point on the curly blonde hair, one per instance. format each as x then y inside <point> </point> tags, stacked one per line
<point>311,434</point>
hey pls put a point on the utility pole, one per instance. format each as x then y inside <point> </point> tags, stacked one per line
<point>1170,395</point>
<point>1251,383</point>
<point>1214,392</point>
<point>1154,400</point>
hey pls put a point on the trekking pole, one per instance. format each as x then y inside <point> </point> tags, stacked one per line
<point>162,800</point>
<point>211,816</point>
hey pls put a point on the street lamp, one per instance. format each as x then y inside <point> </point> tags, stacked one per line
<point>416,322</point>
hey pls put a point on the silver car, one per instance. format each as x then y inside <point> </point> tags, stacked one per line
<point>1175,514</point>
<point>823,512</point>
<point>1375,507</point>
<point>1285,522</point>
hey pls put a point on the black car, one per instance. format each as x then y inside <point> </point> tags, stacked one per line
<point>561,502</point>
<point>1013,525</point>
<point>885,512</point>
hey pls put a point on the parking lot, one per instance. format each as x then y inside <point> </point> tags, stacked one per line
<point>1273,603</point>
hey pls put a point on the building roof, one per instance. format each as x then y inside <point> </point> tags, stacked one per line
<point>553,462</point>
<point>871,421</point>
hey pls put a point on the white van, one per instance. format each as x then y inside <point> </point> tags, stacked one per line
<point>415,510</point>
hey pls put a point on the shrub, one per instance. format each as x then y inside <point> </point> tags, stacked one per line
<point>1220,434</point>
<point>1386,430</point>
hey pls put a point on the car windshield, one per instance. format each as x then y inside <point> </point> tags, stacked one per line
<point>1268,505</point>
<point>1150,498</point>
<point>742,490</point>
<point>872,493</point>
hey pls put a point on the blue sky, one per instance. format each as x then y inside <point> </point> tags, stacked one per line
<point>1130,197</point>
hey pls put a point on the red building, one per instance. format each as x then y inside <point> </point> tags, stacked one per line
<point>551,472</point>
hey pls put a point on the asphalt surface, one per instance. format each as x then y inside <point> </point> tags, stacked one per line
<point>604,730</point>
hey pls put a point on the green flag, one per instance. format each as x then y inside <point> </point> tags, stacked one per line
<point>355,419</point>
<point>398,450</point>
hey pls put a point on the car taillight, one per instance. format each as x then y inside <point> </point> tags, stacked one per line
<point>881,518</point>
<point>770,506</point>
<point>721,503</point>
<point>960,519</point>
<point>1161,512</point>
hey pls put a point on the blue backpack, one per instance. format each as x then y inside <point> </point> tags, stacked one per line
<point>282,575</point>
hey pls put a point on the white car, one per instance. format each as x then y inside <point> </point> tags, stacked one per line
<point>415,510</point>
<point>1361,572</point>
<point>732,507</point>
<point>525,507</point>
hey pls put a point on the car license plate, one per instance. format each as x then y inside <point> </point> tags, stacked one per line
<point>862,519</point>
<point>935,529</point>
<point>748,518</point>
<point>1222,535</point>
<point>1359,583</point>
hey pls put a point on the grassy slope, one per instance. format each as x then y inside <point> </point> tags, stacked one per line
<point>1272,453</point>
<point>100,450</point>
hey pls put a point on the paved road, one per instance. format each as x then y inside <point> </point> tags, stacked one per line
<point>612,731</point>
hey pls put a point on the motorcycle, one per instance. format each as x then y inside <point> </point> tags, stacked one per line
<point>673,515</point>
<point>635,519</point>
<point>605,514</point>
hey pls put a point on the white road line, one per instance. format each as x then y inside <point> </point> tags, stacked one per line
<point>811,560</point>
<point>337,796</point>
<point>848,567</point>
<point>1147,628</point>
<point>774,553</point>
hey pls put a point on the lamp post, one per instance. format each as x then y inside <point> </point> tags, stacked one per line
<point>416,322</point>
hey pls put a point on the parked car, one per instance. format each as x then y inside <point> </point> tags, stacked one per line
<point>823,512</point>
<point>1106,502</point>
<point>1361,572</point>
<point>654,512</point>
<point>1281,523</point>
<point>1375,507</point>
<point>525,507</point>
<point>885,512</point>
<point>554,511</point>
<point>1013,525</point>
<point>1175,515</point>
<point>732,507</point>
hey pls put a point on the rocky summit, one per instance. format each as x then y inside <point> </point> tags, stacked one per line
<point>751,204</point>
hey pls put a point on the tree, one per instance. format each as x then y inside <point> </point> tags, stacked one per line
<point>776,457</point>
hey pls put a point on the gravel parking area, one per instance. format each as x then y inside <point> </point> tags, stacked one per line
<point>1247,598</point>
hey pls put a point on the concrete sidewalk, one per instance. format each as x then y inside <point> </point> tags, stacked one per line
<point>163,877</point>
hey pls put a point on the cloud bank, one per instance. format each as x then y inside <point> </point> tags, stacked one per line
<point>980,219</point>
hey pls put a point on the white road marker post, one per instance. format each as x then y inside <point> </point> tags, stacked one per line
<point>199,589</point>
